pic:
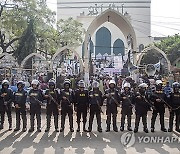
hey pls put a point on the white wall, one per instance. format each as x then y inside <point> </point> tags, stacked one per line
<point>139,17</point>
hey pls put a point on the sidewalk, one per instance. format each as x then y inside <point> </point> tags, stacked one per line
<point>80,143</point>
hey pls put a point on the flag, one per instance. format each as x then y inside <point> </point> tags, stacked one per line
<point>157,66</point>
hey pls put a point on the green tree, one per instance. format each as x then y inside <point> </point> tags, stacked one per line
<point>14,22</point>
<point>67,28</point>
<point>27,43</point>
<point>171,46</point>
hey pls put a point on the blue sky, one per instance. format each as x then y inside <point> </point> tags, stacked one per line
<point>165,16</point>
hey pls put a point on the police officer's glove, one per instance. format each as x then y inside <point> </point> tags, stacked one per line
<point>124,97</point>
<point>107,95</point>
<point>158,100</point>
<point>64,97</point>
<point>17,106</point>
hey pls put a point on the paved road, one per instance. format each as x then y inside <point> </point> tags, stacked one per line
<point>88,143</point>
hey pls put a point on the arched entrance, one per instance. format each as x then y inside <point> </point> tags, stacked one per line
<point>118,20</point>
<point>34,64</point>
<point>8,67</point>
<point>58,64</point>
<point>153,48</point>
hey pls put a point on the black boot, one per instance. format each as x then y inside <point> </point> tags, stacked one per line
<point>78,129</point>
<point>99,129</point>
<point>31,129</point>
<point>170,130</point>
<point>10,121</point>
<point>32,123</point>
<point>90,128</point>
<point>38,123</point>
<point>137,123</point>
<point>84,127</point>
<point>2,121</point>
<point>16,129</point>
<point>122,128</point>
<point>90,122</point>
<point>99,123</point>
<point>24,129</point>
<point>108,128</point>
<point>48,121</point>
<point>1,126</point>
<point>129,128</point>
<point>129,123</point>
<point>152,130</point>
<point>135,130</point>
<point>56,123</point>
<point>153,119</point>
<point>171,118</point>
<point>24,118</point>
<point>62,123</point>
<point>62,129</point>
<point>71,123</point>
<point>17,122</point>
<point>177,123</point>
<point>146,130</point>
<point>115,128</point>
<point>164,129</point>
<point>162,123</point>
<point>114,123</point>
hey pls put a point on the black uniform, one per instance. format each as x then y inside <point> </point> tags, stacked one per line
<point>6,105</point>
<point>175,104</point>
<point>127,105</point>
<point>52,108</point>
<point>36,100</point>
<point>66,107</point>
<point>95,101</point>
<point>20,100</point>
<point>113,100</point>
<point>81,103</point>
<point>141,107</point>
<point>159,108</point>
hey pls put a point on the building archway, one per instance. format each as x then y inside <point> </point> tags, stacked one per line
<point>103,42</point>
<point>34,65</point>
<point>118,48</point>
<point>59,51</point>
<point>33,55</point>
<point>148,49</point>
<point>118,20</point>
<point>8,66</point>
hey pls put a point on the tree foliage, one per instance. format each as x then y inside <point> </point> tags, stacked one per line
<point>67,28</point>
<point>15,22</point>
<point>27,43</point>
<point>171,46</point>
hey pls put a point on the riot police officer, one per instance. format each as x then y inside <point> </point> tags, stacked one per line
<point>127,104</point>
<point>141,106</point>
<point>6,97</point>
<point>158,98</point>
<point>20,106</point>
<point>96,101</point>
<point>36,97</point>
<point>175,107</point>
<point>67,97</point>
<point>53,105</point>
<point>81,102</point>
<point>113,99</point>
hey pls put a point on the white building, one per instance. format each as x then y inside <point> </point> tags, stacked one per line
<point>108,39</point>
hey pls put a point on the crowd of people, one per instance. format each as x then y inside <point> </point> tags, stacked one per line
<point>83,98</point>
